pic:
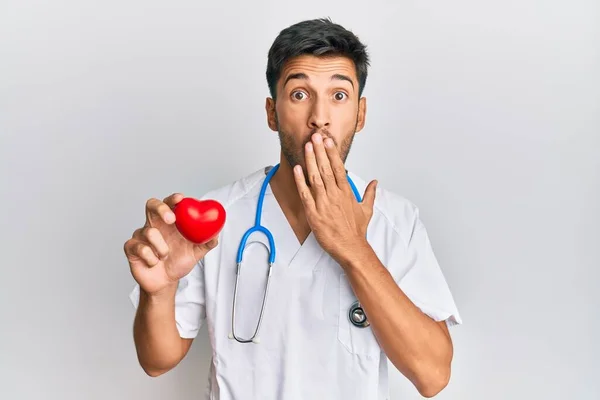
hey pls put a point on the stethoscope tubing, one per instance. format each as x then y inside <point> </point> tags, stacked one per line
<point>355,308</point>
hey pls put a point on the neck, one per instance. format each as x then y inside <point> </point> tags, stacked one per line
<point>283,185</point>
<point>285,191</point>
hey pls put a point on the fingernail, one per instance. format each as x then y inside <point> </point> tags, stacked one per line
<point>318,138</point>
<point>309,146</point>
<point>328,142</point>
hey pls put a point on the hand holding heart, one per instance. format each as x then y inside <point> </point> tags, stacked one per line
<point>178,232</point>
<point>338,221</point>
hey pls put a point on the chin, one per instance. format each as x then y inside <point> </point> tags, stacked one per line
<point>293,160</point>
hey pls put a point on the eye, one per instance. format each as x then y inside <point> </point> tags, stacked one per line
<point>298,95</point>
<point>340,96</point>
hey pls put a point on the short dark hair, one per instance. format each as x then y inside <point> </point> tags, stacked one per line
<point>319,37</point>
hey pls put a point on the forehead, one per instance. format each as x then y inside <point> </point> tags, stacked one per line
<point>319,67</point>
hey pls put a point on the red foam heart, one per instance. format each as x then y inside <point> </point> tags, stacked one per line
<point>199,221</point>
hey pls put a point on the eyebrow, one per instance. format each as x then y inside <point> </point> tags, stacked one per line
<point>303,76</point>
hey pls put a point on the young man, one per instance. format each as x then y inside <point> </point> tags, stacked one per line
<point>354,280</point>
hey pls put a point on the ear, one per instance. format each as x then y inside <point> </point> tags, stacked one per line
<point>362,114</point>
<point>271,114</point>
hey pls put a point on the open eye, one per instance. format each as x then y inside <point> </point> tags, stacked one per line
<point>340,96</point>
<point>299,95</point>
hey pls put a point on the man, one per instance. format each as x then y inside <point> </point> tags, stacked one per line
<point>344,249</point>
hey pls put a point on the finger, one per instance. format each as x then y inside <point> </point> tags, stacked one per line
<point>137,234</point>
<point>211,244</point>
<point>305,195</point>
<point>314,177</point>
<point>323,162</point>
<point>136,249</point>
<point>201,249</point>
<point>155,239</point>
<point>337,165</point>
<point>369,196</point>
<point>157,208</point>
<point>173,199</point>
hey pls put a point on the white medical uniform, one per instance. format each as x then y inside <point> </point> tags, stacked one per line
<point>308,348</point>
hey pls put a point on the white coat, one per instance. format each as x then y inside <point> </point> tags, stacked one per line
<point>308,347</point>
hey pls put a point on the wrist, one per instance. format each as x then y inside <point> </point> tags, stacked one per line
<point>161,296</point>
<point>355,256</point>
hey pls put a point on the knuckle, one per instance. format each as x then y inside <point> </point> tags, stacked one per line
<point>305,194</point>
<point>150,233</point>
<point>316,182</point>
<point>140,249</point>
<point>147,253</point>
<point>127,246</point>
<point>156,239</point>
<point>151,202</point>
<point>172,198</point>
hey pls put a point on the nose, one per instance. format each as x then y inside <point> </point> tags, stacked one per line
<point>319,115</point>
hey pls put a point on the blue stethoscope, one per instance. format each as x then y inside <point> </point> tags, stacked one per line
<point>355,314</point>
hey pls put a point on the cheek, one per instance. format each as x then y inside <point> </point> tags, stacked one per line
<point>291,115</point>
<point>344,123</point>
<point>346,115</point>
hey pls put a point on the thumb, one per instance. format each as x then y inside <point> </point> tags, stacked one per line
<point>212,243</point>
<point>369,196</point>
<point>200,250</point>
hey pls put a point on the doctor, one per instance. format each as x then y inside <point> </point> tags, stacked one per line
<point>354,282</point>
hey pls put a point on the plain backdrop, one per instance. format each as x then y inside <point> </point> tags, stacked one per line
<point>486,114</point>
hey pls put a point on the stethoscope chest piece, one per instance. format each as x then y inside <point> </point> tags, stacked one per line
<point>357,315</point>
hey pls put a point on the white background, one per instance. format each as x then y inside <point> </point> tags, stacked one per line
<point>486,115</point>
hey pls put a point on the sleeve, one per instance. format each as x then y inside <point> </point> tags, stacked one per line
<point>416,271</point>
<point>190,311</point>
